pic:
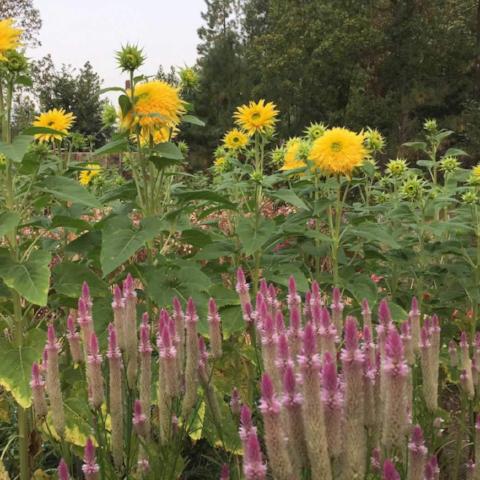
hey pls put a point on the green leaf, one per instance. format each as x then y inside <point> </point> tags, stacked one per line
<point>162,162</point>
<point>69,277</point>
<point>16,365</point>
<point>252,238</point>
<point>120,241</point>
<point>193,120</point>
<point>8,222</point>
<point>416,145</point>
<point>455,152</point>
<point>70,222</point>
<point>115,146</point>
<point>289,196</point>
<point>111,89</point>
<point>68,189</point>
<point>188,195</point>
<point>169,150</point>
<point>31,279</point>
<point>16,150</point>
<point>43,130</point>
<point>125,104</point>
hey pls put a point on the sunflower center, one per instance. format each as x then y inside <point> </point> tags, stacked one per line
<point>50,123</point>
<point>256,116</point>
<point>336,147</point>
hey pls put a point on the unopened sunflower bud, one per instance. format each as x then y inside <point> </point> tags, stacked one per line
<point>214,329</point>
<point>115,395</point>
<point>453,353</point>
<point>139,419</point>
<point>254,467</point>
<point>337,309</point>
<point>118,306</point>
<point>366,314</point>
<point>62,470</point>
<point>192,358</point>
<point>90,467</point>
<point>130,58</point>
<point>53,382</point>
<point>94,373</point>
<point>235,402</point>
<point>292,403</point>
<point>333,405</point>
<point>74,340</point>
<point>38,392</point>
<point>274,434</point>
<point>355,438</point>
<point>313,414</point>
<point>414,317</point>
<point>417,454</point>
<point>389,471</point>
<point>130,330</point>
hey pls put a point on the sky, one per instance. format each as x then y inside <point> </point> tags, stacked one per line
<point>75,31</point>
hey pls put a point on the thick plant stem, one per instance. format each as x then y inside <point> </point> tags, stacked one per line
<point>334,222</point>
<point>258,206</point>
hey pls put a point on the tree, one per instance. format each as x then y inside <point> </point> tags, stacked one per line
<point>26,16</point>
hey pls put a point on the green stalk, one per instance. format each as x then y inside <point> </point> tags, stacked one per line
<point>258,204</point>
<point>335,222</point>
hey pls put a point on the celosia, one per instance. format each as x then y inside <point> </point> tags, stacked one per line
<point>295,332</point>
<point>145,389</point>
<point>466,376</point>
<point>191,364</point>
<point>389,471</point>
<point>429,374</point>
<point>118,307</point>
<point>326,331</point>
<point>313,415</point>
<point>407,340</point>
<point>179,319</point>
<point>337,309</point>
<point>85,321</point>
<point>74,339</point>
<point>432,472</point>
<point>90,467</point>
<point>214,329</point>
<point>235,402</point>
<point>62,470</point>
<point>366,314</point>
<point>292,403</point>
<point>115,396</point>
<point>139,419</point>
<point>333,405</point>
<point>94,373</point>
<point>246,425</point>
<point>253,466</point>
<point>38,392</point>
<point>168,357</point>
<point>284,359</point>
<point>453,353</point>
<point>269,348</point>
<point>242,288</point>
<point>130,330</point>
<point>414,317</point>
<point>477,447</point>
<point>355,442</point>
<point>417,454</point>
<point>53,382</point>
<point>225,472</point>
<point>274,434</point>
<point>396,399</point>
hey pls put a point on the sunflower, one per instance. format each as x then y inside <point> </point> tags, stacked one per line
<point>219,165</point>
<point>159,135</point>
<point>475,175</point>
<point>158,105</point>
<point>338,151</point>
<point>291,160</point>
<point>256,117</point>
<point>397,167</point>
<point>315,130</point>
<point>91,171</point>
<point>9,36</point>
<point>235,139</point>
<point>57,119</point>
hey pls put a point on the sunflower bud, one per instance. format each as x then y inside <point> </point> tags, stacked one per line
<point>130,58</point>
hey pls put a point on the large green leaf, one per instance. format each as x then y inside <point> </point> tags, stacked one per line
<point>8,222</point>
<point>253,238</point>
<point>43,130</point>
<point>193,120</point>
<point>188,195</point>
<point>16,150</point>
<point>68,189</point>
<point>115,146</point>
<point>289,196</point>
<point>31,278</point>
<point>169,150</point>
<point>69,277</point>
<point>16,365</point>
<point>120,241</point>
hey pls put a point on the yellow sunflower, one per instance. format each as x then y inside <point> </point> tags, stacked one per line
<point>235,139</point>
<point>475,175</point>
<point>338,151</point>
<point>91,171</point>
<point>291,160</point>
<point>159,135</point>
<point>219,165</point>
<point>256,117</point>
<point>57,119</point>
<point>158,105</point>
<point>9,36</point>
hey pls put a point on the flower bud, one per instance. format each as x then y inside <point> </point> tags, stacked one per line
<point>130,58</point>
<point>90,468</point>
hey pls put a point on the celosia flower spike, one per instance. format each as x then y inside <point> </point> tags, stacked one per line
<point>389,471</point>
<point>90,468</point>
<point>62,470</point>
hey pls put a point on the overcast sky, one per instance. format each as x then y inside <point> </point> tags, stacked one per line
<point>75,31</point>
